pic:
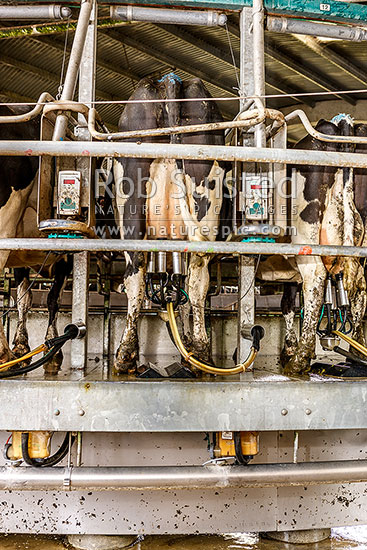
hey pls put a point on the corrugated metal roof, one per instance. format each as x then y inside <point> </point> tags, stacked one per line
<point>31,65</point>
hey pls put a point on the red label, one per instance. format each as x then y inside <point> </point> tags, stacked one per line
<point>305,251</point>
<point>69,182</point>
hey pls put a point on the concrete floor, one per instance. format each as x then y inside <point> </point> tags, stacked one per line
<point>354,538</point>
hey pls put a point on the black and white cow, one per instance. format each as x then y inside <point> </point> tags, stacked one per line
<point>18,218</point>
<point>169,199</point>
<point>331,209</point>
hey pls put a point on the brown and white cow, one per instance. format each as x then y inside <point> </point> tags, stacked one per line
<point>18,218</point>
<point>169,199</point>
<point>331,209</point>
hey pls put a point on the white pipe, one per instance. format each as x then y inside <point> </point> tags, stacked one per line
<point>182,477</point>
<point>169,16</point>
<point>25,13</point>
<point>301,26</point>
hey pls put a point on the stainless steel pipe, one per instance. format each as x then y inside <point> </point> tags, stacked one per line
<point>71,77</point>
<point>179,151</point>
<point>243,120</point>
<point>169,16</point>
<point>25,13</point>
<point>182,477</point>
<point>319,135</point>
<point>25,117</point>
<point>161,245</point>
<point>301,26</point>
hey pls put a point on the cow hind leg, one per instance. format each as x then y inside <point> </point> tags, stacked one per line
<point>198,288</point>
<point>62,271</point>
<point>355,284</point>
<point>134,281</point>
<point>288,307</point>
<point>24,303</point>
<point>313,274</point>
<point>5,351</point>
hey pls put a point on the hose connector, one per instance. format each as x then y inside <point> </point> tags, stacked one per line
<point>257,333</point>
<point>76,330</point>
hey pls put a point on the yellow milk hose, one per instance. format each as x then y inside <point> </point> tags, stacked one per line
<point>37,350</point>
<point>351,342</point>
<point>195,362</point>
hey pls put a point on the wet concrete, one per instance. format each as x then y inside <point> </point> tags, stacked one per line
<point>352,538</point>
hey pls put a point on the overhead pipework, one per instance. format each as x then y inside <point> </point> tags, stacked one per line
<point>31,13</point>
<point>289,25</point>
<point>168,16</point>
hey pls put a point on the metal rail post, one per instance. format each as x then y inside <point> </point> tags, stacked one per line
<point>246,264</point>
<point>81,260</point>
<point>73,67</point>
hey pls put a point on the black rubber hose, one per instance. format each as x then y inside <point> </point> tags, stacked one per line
<point>240,457</point>
<point>49,461</point>
<point>257,333</point>
<point>350,356</point>
<point>18,372</point>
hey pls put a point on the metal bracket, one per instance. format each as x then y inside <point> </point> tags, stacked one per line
<point>67,478</point>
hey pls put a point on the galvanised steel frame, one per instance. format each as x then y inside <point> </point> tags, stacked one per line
<point>252,73</point>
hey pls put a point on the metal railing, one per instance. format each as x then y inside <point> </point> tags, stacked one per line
<point>203,247</point>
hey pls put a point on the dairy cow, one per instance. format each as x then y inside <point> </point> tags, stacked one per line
<point>169,199</point>
<point>18,218</point>
<point>331,209</point>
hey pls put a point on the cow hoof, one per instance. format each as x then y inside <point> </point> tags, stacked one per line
<point>54,364</point>
<point>126,361</point>
<point>286,356</point>
<point>6,357</point>
<point>297,367</point>
<point>21,349</point>
<point>124,367</point>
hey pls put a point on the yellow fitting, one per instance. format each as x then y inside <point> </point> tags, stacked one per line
<point>39,445</point>
<point>225,444</point>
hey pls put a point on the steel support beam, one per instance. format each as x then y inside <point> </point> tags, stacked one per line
<point>306,71</point>
<point>11,61</point>
<point>299,68</point>
<point>341,62</point>
<point>246,265</point>
<point>193,39</point>
<point>45,29</point>
<point>163,57</point>
<point>81,261</point>
<point>71,76</point>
